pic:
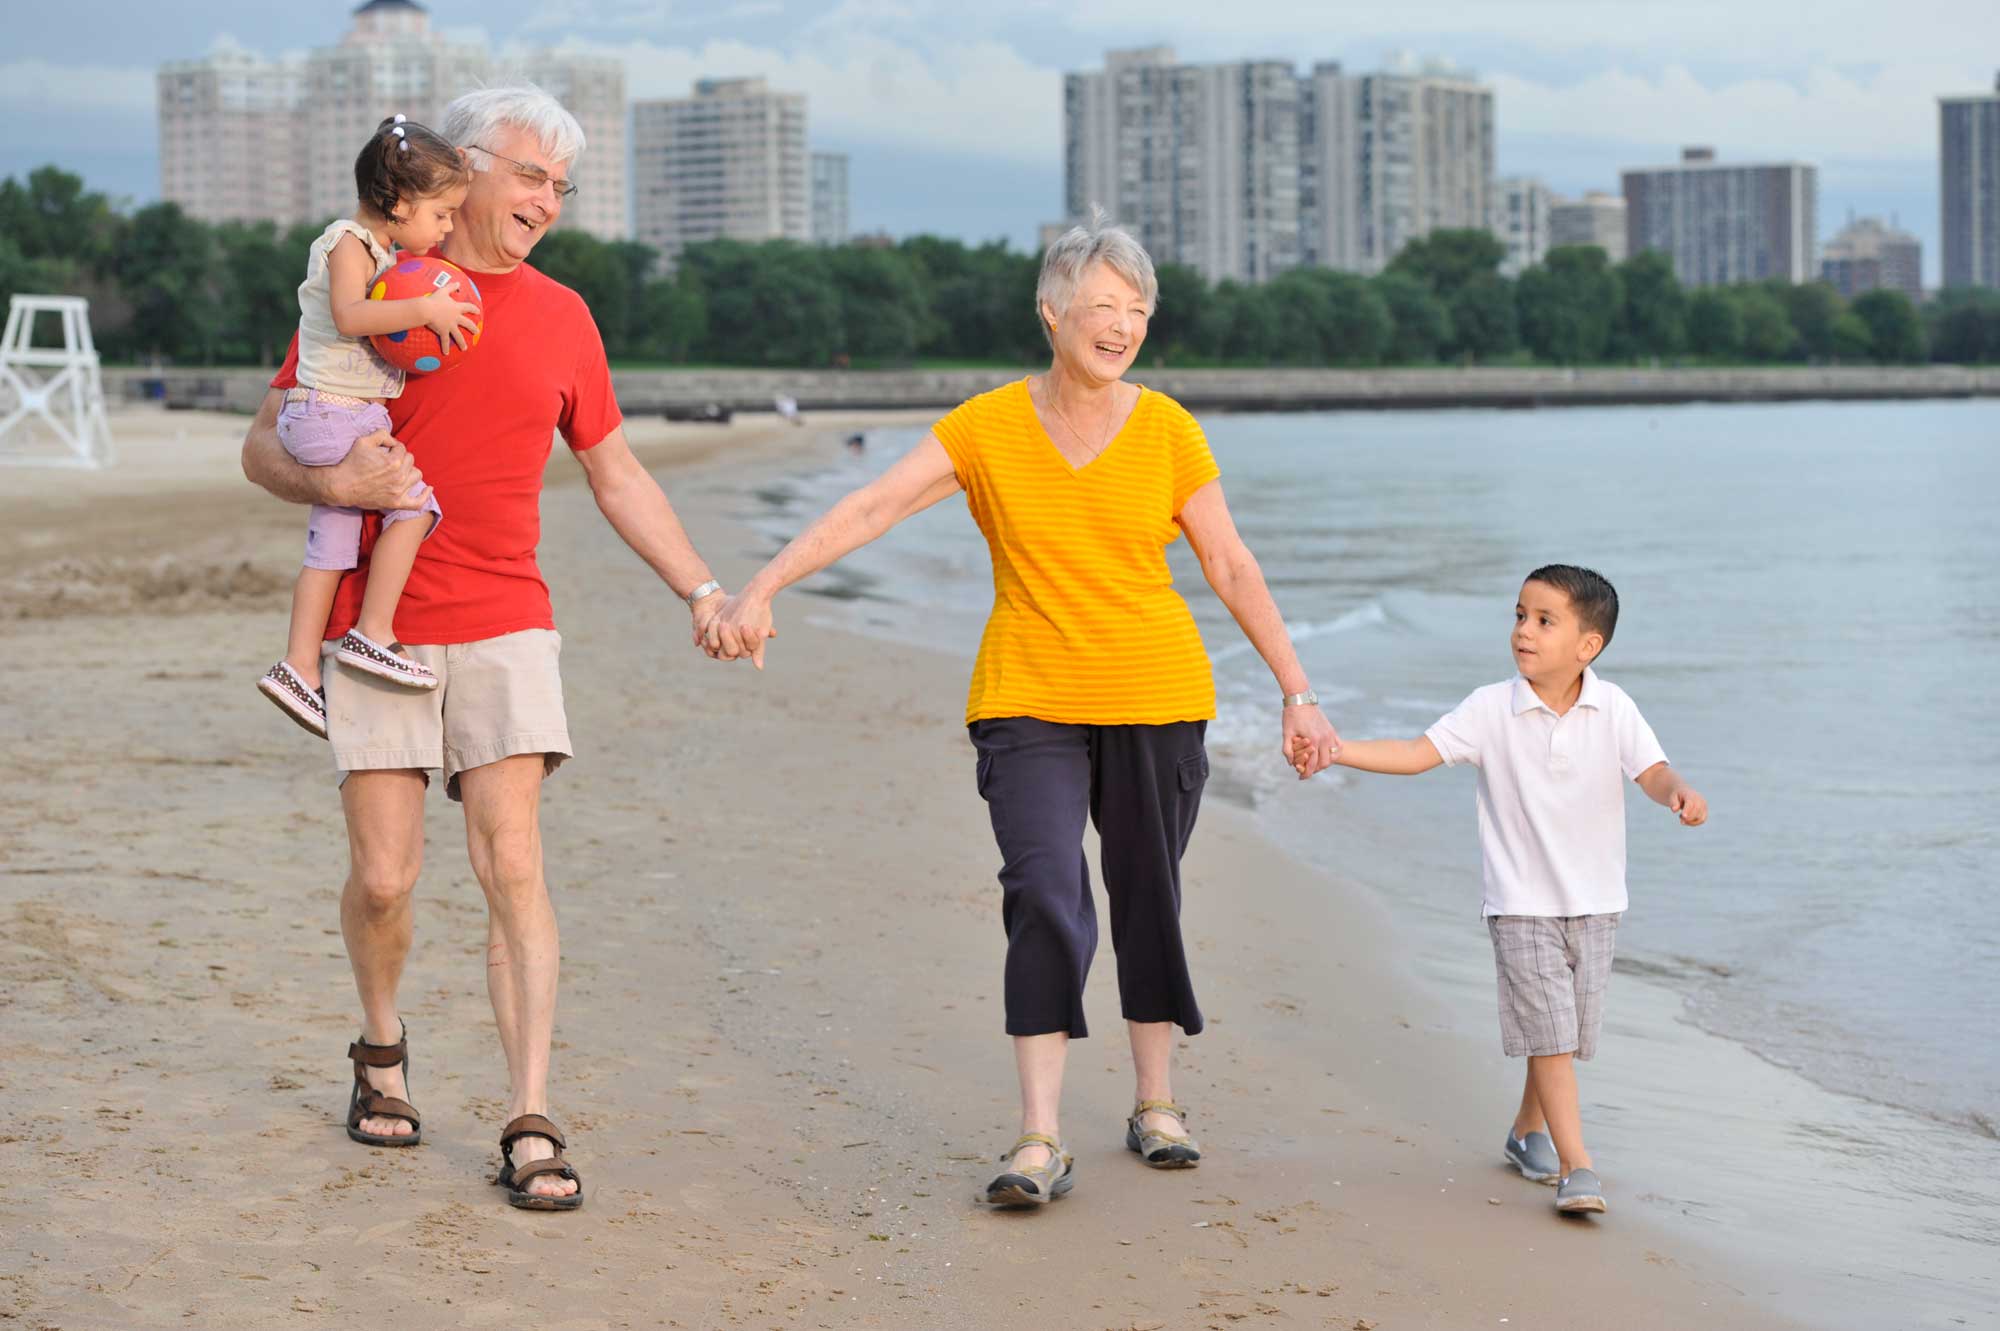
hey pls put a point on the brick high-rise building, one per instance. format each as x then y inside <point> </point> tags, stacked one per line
<point>1723,222</point>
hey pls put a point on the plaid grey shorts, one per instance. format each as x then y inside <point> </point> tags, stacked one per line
<point>1553,970</point>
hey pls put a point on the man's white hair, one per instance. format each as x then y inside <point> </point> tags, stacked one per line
<point>480,116</point>
<point>1070,257</point>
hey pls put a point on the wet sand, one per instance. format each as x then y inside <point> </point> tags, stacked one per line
<point>779,1054</point>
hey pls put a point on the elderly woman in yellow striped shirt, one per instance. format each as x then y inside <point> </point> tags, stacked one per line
<point>1091,693</point>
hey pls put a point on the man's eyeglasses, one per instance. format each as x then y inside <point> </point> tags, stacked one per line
<point>534,175</point>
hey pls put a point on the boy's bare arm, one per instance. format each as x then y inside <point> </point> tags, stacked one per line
<point>1391,757</point>
<point>1663,785</point>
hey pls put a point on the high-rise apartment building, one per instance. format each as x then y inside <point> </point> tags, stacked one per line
<point>230,145</point>
<point>1722,222</point>
<point>591,88</point>
<point>1969,176</point>
<point>389,63</point>
<point>1243,170</point>
<point>1200,162</point>
<point>728,162</point>
<point>1595,219</point>
<point>1393,157</point>
<point>244,137</point>
<point>1521,222</point>
<point>1868,255</point>
<point>829,198</point>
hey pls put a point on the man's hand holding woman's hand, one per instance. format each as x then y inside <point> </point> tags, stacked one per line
<point>739,629</point>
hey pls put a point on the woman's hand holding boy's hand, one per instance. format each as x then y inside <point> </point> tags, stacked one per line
<point>453,320</point>
<point>1310,741</point>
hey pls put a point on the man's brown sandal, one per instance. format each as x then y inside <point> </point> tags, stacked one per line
<point>514,1178</point>
<point>367,1102</point>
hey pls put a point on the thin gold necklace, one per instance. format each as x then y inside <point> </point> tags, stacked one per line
<point>1048,395</point>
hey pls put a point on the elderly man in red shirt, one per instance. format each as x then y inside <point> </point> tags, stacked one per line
<point>477,613</point>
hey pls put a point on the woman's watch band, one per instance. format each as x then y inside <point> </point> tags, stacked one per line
<point>1301,699</point>
<point>705,589</point>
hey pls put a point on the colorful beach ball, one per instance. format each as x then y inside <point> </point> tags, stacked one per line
<point>416,350</point>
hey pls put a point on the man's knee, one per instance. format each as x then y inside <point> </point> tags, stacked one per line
<point>509,864</point>
<point>382,884</point>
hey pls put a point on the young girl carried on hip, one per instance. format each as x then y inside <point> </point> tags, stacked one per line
<point>409,181</point>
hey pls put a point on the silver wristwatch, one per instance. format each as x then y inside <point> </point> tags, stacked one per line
<point>705,589</point>
<point>1301,699</point>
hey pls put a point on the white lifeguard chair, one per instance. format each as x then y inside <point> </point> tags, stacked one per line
<point>51,398</point>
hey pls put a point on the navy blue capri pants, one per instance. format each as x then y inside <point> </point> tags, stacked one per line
<point>1141,786</point>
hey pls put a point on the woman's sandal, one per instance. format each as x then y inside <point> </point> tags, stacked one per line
<point>514,1178</point>
<point>367,1102</point>
<point>1033,1185</point>
<point>1161,1150</point>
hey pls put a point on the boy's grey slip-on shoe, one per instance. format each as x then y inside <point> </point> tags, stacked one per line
<point>1580,1192</point>
<point>1535,1156</point>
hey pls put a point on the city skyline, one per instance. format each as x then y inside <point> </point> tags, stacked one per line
<point>953,122</point>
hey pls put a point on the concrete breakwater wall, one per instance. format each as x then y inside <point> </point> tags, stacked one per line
<point>1215,390</point>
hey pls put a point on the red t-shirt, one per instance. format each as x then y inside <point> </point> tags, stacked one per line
<point>481,434</point>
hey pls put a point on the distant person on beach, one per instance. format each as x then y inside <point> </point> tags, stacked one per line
<point>410,182</point>
<point>1554,747</point>
<point>1092,692</point>
<point>476,613</point>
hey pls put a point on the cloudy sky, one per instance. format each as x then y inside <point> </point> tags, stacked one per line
<point>952,111</point>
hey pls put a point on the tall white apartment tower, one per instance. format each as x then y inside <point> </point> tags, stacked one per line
<point>1200,162</point>
<point>1392,157</point>
<point>1521,222</point>
<point>230,145</point>
<point>591,88</point>
<point>389,63</point>
<point>728,162</point>
<point>248,138</point>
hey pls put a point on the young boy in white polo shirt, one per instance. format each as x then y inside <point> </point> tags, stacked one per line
<point>1554,746</point>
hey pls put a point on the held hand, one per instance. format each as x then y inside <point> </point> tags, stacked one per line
<point>453,320</point>
<point>1310,741</point>
<point>704,610</point>
<point>1689,804</point>
<point>378,475</point>
<point>739,629</point>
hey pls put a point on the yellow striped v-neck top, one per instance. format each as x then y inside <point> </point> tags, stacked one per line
<point>1086,628</point>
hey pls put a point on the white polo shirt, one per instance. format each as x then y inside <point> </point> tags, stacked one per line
<point>1551,792</point>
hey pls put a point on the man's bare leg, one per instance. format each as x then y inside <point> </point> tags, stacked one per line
<point>503,836</point>
<point>385,852</point>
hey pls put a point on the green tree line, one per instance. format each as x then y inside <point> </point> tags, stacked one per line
<point>165,287</point>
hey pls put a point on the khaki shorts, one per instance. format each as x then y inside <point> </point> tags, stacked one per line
<point>1553,973</point>
<point>495,699</point>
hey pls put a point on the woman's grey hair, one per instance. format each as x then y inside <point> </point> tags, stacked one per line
<point>1070,257</point>
<point>483,114</point>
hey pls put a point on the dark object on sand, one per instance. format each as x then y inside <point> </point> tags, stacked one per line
<point>711,412</point>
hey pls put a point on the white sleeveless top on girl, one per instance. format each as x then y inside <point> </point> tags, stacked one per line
<point>328,361</point>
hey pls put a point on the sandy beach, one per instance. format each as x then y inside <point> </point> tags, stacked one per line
<point>779,1054</point>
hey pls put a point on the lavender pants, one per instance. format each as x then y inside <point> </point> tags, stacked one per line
<point>320,434</point>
